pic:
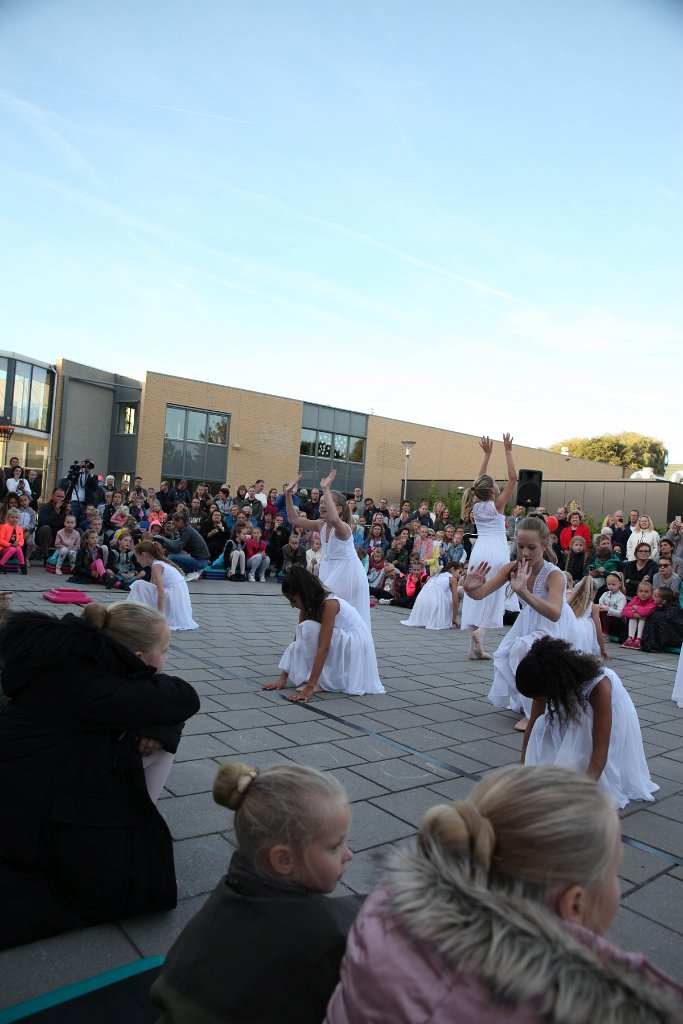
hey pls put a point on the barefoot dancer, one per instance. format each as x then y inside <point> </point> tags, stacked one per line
<point>486,501</point>
<point>340,569</point>
<point>332,649</point>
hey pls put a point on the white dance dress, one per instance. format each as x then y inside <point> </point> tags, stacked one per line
<point>351,665</point>
<point>342,572</point>
<point>570,744</point>
<point>490,546</point>
<point>528,627</point>
<point>433,608</point>
<point>586,639</point>
<point>677,695</point>
<point>177,603</point>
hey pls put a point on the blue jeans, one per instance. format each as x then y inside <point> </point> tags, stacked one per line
<point>187,563</point>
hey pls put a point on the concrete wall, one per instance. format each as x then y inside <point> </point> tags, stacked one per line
<point>265,430</point>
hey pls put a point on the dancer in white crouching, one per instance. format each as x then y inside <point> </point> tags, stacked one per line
<point>437,603</point>
<point>340,569</point>
<point>582,717</point>
<point>167,593</point>
<point>486,501</point>
<point>333,648</point>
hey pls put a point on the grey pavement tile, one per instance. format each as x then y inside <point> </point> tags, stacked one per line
<point>491,753</point>
<point>191,777</point>
<point>195,815</point>
<point>660,900</point>
<point>194,748</point>
<point>357,787</point>
<point>368,748</point>
<point>655,830</point>
<point>307,732</point>
<point>463,732</point>
<point>419,738</point>
<point>371,826</point>
<point>322,755</point>
<point>39,967</point>
<point>666,767</point>
<point>154,934</point>
<point>200,863</point>
<point>669,807</point>
<point>460,762</point>
<point>410,805</point>
<point>199,724</point>
<point>246,719</point>
<point>639,866</point>
<point>397,774</point>
<point>245,740</point>
<point>365,869</point>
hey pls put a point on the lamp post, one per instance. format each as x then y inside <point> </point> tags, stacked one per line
<point>407,445</point>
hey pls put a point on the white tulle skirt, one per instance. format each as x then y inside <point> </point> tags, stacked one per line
<point>433,608</point>
<point>177,603</point>
<point>351,665</point>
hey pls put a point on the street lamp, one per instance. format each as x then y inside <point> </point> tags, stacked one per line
<point>407,445</point>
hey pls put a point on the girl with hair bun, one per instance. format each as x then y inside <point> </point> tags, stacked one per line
<point>332,649</point>
<point>267,944</point>
<point>340,569</point>
<point>469,928</point>
<point>582,717</point>
<point>540,587</point>
<point>168,592</point>
<point>87,742</point>
<point>487,502</point>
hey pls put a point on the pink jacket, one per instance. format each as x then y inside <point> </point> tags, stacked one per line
<point>644,608</point>
<point>388,976</point>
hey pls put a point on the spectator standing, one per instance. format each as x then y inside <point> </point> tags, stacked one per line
<point>644,533</point>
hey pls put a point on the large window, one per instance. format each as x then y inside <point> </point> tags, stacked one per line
<point>332,438</point>
<point>31,394</point>
<point>195,444</point>
<point>127,422</point>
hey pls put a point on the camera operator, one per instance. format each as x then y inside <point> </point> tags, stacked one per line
<point>82,487</point>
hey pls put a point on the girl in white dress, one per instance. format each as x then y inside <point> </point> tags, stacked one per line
<point>677,694</point>
<point>167,593</point>
<point>540,587</point>
<point>588,636</point>
<point>341,571</point>
<point>332,649</point>
<point>582,717</point>
<point>436,606</point>
<point>486,501</point>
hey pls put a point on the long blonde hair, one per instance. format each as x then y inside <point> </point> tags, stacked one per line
<point>537,524</point>
<point>134,625</point>
<point>474,894</point>
<point>582,596</point>
<point>344,510</point>
<point>481,489</point>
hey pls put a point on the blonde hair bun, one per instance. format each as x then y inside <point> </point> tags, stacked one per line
<point>232,782</point>
<point>460,829</point>
<point>95,614</point>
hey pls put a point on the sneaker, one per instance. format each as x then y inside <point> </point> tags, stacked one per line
<point>385,600</point>
<point>262,579</point>
<point>636,644</point>
<point>628,642</point>
<point>58,571</point>
<point>252,577</point>
<point>192,576</point>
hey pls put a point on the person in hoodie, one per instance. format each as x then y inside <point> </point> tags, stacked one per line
<point>86,744</point>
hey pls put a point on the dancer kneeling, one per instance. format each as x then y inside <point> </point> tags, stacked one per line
<point>167,593</point>
<point>437,603</point>
<point>333,648</point>
<point>582,717</point>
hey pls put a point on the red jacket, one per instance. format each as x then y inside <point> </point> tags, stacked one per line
<point>253,548</point>
<point>6,531</point>
<point>567,536</point>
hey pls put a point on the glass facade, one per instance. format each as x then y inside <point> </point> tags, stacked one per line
<point>26,393</point>
<point>127,420</point>
<point>332,438</point>
<point>195,445</point>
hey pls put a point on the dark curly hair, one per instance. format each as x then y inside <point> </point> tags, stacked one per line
<point>554,672</point>
<point>299,582</point>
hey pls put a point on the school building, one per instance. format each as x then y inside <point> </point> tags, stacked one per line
<point>167,427</point>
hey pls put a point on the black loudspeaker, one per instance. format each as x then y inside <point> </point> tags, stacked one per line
<point>529,488</point>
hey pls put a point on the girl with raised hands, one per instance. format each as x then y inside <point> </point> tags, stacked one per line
<point>340,569</point>
<point>485,500</point>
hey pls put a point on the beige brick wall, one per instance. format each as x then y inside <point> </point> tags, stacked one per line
<point>266,428</point>
<point>449,455</point>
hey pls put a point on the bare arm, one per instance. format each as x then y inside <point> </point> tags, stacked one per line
<point>157,577</point>
<point>507,492</point>
<point>601,702</point>
<point>595,614</point>
<point>330,610</point>
<point>293,516</point>
<point>341,528</point>
<point>478,587</point>
<point>486,445</point>
<point>537,710</point>
<point>550,606</point>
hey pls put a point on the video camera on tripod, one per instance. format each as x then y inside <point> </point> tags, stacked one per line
<point>76,475</point>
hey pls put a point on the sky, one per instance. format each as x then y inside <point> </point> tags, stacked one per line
<point>454,213</point>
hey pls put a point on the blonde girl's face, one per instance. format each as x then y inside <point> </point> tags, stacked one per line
<point>612,584</point>
<point>315,544</point>
<point>13,517</point>
<point>320,866</point>
<point>531,547</point>
<point>577,544</point>
<point>644,591</point>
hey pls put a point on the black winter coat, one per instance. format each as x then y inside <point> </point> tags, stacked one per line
<point>81,841</point>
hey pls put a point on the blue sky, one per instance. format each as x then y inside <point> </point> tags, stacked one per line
<point>464,214</point>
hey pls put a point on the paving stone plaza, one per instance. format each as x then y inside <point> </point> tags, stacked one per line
<point>429,739</point>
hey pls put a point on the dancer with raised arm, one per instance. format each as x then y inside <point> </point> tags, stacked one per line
<point>540,586</point>
<point>340,569</point>
<point>487,502</point>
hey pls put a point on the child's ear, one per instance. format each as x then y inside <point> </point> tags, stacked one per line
<point>280,860</point>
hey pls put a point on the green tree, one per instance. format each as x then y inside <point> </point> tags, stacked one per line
<point>631,450</point>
